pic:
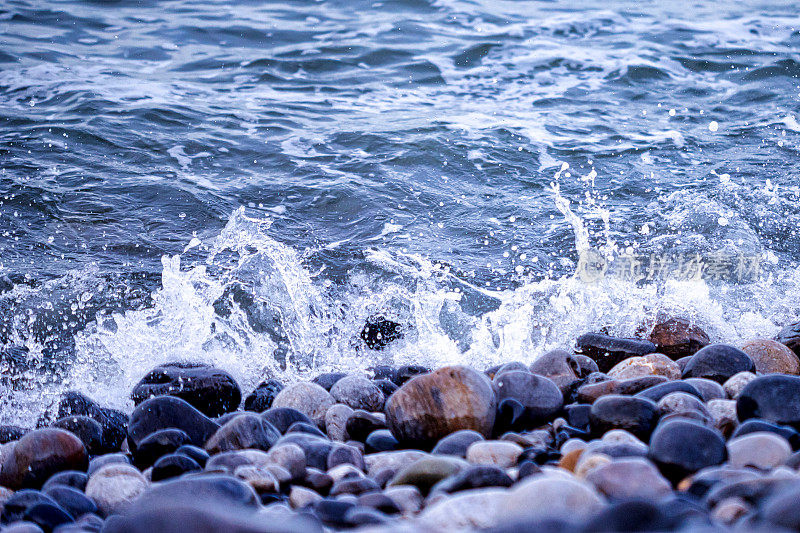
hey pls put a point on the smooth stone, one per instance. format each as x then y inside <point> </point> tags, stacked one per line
<point>291,457</point>
<point>316,480</point>
<point>205,488</point>
<point>328,379</point>
<point>698,485</point>
<point>113,422</point>
<point>380,502</point>
<point>349,485</point>
<point>434,405</point>
<point>677,338</point>
<point>681,447</point>
<point>474,477</point>
<point>87,429</point>
<point>378,332</point>
<point>114,487</point>
<point>772,357</point>
<point>637,415</point>
<point>345,470</point>
<point>467,510</point>
<point>173,465</point>
<point>709,390</point>
<point>301,497</point>
<point>344,454</point>
<point>563,368</point>
<point>395,460</point>
<point>16,504</point>
<point>198,455</point>
<point>457,443</point>
<point>9,433</point>
<point>723,415</point>
<point>262,479</point>
<point>577,415</point>
<point>210,390</point>
<point>386,386</point>
<point>336,421</point>
<point>228,462</point>
<point>634,515</point>
<point>608,351</point>
<point>380,440</point>
<point>730,510</point>
<point>22,527</point>
<point>539,398</point>
<point>102,460</point>
<point>316,449</point>
<point>736,383</point>
<point>365,516</point>
<point>48,515</point>
<point>590,392</point>
<point>424,473</point>
<point>262,397</point>
<point>763,450</point>
<point>750,490</point>
<point>550,496</point>
<point>775,398</point>
<point>358,392</point>
<point>718,362</point>
<point>654,364</point>
<point>408,372</point>
<point>69,478</point>
<point>75,502</point>
<point>657,392</point>
<point>40,454</point>
<point>780,510</point>
<point>683,404</point>
<point>156,444</point>
<point>506,367</point>
<point>754,424</point>
<point>361,424</point>
<point>629,478</point>
<point>166,412</point>
<point>494,452</point>
<point>790,336</point>
<point>282,418</point>
<point>248,431</point>
<point>406,497</point>
<point>308,398</point>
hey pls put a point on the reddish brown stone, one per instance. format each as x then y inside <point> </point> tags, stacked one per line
<point>40,454</point>
<point>678,338</point>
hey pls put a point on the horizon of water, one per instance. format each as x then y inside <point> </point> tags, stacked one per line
<point>246,185</point>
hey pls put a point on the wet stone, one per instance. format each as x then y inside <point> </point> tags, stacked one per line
<point>75,502</point>
<point>10,433</point>
<point>474,477</point>
<point>210,390</point>
<point>113,422</point>
<point>68,478</point>
<point>262,397</point>
<point>48,515</point>
<point>629,478</point>
<point>657,392</point>
<point>281,418</point>
<point>677,337</point>
<point>354,486</point>
<point>344,454</point>
<point>654,364</point>
<point>166,412</point>
<point>498,453</point>
<point>157,444</point>
<point>685,405</point>
<point>763,450</point>
<point>336,421</point>
<point>40,454</point>
<point>434,405</point>
<point>304,427</point>
<point>723,415</point>
<point>539,398</point>
<point>790,336</point>
<point>457,443</point>
<point>608,351</point>
<point>637,415</point>
<point>198,455</point>
<point>102,460</point>
<point>682,447</point>
<point>772,357</point>
<point>316,449</point>
<point>775,398</point>
<point>426,472</point>
<point>563,368</point>
<point>361,424</point>
<point>87,429</point>
<point>19,502</point>
<point>114,487</point>
<point>308,398</point>
<point>380,440</point>
<point>379,332</point>
<point>756,425</point>
<point>709,390</point>
<point>407,372</point>
<point>386,386</point>
<point>550,496</point>
<point>718,362</point>
<point>328,379</point>
<point>173,465</point>
<point>358,392</point>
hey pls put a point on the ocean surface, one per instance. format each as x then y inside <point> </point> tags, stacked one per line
<point>246,183</point>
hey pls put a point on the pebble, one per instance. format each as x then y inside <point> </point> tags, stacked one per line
<point>775,398</point>
<point>282,418</point>
<point>754,424</point>
<point>424,473</point>
<point>654,364</point>
<point>247,431</point>
<point>114,487</point>
<point>168,412</point>
<point>457,443</point>
<point>637,415</point>
<point>262,397</point>
<point>538,399</point>
<point>434,405</point>
<point>301,497</point>
<point>608,351</point>
<point>210,390</point>
<point>677,337</point>
<point>336,421</point>
<point>40,454</point>
<point>723,415</point>
<point>494,452</point>
<point>709,390</point>
<point>72,500</point>
<point>563,368</point>
<point>718,362</point>
<point>328,379</point>
<point>361,424</point>
<point>733,387</point>
<point>466,510</point>
<point>358,392</point>
<point>307,398</point>
<point>474,477</point>
<point>790,336</point>
<point>87,429</point>
<point>764,450</point>
<point>684,405</point>
<point>681,447</point>
<point>772,357</point>
<point>113,422</point>
<point>173,465</point>
<point>550,496</point>
<point>380,440</point>
<point>629,478</point>
<point>156,444</point>
<point>656,392</point>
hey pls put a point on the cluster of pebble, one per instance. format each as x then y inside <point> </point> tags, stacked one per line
<point>658,434</point>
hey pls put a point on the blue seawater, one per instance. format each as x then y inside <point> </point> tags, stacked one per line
<point>245,183</point>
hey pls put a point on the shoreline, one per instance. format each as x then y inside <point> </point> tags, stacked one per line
<point>664,433</point>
